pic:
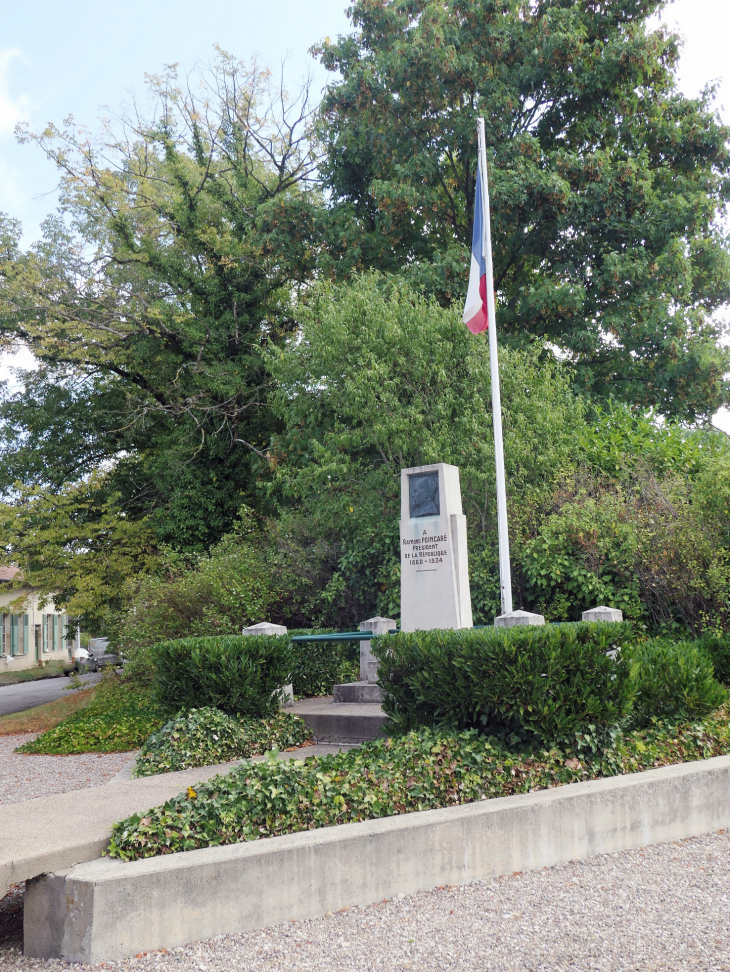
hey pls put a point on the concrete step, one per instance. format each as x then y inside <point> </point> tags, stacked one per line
<point>357,692</point>
<point>341,722</point>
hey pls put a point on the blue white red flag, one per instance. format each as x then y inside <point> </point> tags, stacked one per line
<point>475,309</point>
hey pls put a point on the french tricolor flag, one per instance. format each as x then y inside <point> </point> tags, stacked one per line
<point>475,309</point>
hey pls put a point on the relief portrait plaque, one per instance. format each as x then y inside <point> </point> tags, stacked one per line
<point>423,494</point>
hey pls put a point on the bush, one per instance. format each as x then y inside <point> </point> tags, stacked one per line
<point>203,737</point>
<point>675,682</point>
<point>529,683</point>
<point>118,718</point>
<point>242,676</point>
<point>320,665</point>
<point>718,648</point>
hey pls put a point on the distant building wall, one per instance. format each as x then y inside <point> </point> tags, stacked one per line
<point>30,633</point>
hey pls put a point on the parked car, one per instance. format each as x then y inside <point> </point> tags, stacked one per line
<point>107,660</point>
<point>87,661</point>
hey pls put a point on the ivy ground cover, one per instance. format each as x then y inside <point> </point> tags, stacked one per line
<point>422,770</point>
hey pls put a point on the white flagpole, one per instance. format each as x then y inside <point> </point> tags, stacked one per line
<point>505,574</point>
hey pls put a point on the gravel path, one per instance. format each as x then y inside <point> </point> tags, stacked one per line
<point>664,907</point>
<point>26,777</point>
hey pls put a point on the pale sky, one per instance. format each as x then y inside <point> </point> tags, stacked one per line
<point>62,57</point>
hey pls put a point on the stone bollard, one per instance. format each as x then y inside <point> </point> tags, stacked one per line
<point>367,689</point>
<point>515,618</point>
<point>603,613</point>
<point>368,661</point>
<point>266,628</point>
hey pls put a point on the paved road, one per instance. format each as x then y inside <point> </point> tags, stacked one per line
<point>26,695</point>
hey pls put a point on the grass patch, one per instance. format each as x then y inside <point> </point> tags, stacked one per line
<point>422,770</point>
<point>41,718</point>
<point>203,737</point>
<point>50,670</point>
<point>117,718</point>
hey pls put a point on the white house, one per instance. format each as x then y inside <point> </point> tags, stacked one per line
<point>29,634</point>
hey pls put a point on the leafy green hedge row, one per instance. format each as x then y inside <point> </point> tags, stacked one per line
<point>542,684</point>
<point>203,737</point>
<point>419,771</point>
<point>242,676</point>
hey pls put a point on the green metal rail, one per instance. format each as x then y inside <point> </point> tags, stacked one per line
<point>340,636</point>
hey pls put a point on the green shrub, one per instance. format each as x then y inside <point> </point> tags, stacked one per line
<point>533,683</point>
<point>718,648</point>
<point>118,718</point>
<point>203,737</point>
<point>242,676</point>
<point>674,682</point>
<point>320,665</point>
<point>420,771</point>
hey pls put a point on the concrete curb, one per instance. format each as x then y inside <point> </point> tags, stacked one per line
<point>105,910</point>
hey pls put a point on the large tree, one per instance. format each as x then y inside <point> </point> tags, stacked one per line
<point>152,296</point>
<point>606,181</point>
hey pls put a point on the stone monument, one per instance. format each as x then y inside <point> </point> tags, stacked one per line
<point>434,561</point>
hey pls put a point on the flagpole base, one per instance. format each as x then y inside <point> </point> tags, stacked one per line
<point>515,618</point>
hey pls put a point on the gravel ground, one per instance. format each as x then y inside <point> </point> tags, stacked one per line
<point>659,908</point>
<point>27,777</point>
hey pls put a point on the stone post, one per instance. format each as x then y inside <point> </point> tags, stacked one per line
<point>266,628</point>
<point>368,661</point>
<point>515,618</point>
<point>603,613</point>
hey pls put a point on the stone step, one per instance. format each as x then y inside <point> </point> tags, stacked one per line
<point>341,722</point>
<point>357,692</point>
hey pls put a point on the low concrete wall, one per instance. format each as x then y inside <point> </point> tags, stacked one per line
<point>105,910</point>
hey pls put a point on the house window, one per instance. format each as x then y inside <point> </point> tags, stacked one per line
<point>14,631</point>
<point>26,633</point>
<point>47,632</point>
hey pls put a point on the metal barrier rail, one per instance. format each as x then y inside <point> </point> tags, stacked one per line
<point>340,636</point>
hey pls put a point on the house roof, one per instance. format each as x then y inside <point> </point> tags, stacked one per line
<point>8,573</point>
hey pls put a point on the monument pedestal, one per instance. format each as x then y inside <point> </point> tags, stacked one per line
<point>434,562</point>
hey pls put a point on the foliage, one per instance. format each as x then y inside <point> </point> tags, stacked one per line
<point>320,665</point>
<point>658,548</point>
<point>242,676</point>
<point>381,379</point>
<point>675,682</point>
<point>119,717</point>
<point>203,737</point>
<point>718,648</point>
<point>420,771</point>
<point>542,684</point>
<point>606,183</point>
<point>151,297</point>
<point>78,544</point>
<point>219,592</point>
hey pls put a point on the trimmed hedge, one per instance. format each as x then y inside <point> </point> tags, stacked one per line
<point>675,682</point>
<point>242,676</point>
<point>203,737</point>
<point>527,683</point>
